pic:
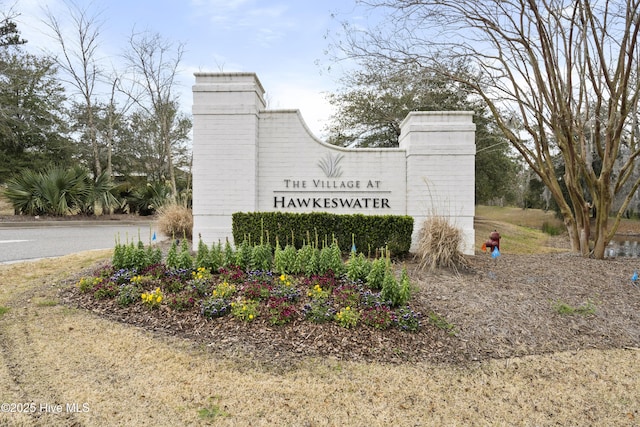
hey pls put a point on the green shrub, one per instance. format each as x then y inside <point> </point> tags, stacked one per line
<point>363,231</point>
<point>551,229</point>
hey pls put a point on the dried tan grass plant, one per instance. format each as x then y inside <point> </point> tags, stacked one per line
<point>439,245</point>
<point>175,221</point>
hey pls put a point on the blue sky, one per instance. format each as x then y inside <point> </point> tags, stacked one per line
<point>283,41</point>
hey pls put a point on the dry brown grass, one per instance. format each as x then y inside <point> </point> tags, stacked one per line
<point>51,354</point>
<point>5,207</point>
<point>175,221</point>
<point>520,229</point>
<point>439,245</point>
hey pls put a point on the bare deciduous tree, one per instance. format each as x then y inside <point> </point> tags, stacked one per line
<point>79,61</point>
<point>154,65</point>
<point>560,77</point>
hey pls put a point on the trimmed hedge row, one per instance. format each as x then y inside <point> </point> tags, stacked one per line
<point>369,232</point>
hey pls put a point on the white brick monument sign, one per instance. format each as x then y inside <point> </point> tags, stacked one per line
<point>250,159</point>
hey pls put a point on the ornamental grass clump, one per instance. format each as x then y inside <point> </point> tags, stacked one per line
<point>175,220</point>
<point>439,245</point>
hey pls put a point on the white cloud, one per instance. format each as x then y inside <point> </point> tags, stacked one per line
<point>304,95</point>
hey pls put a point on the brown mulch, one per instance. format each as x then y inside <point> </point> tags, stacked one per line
<point>496,308</point>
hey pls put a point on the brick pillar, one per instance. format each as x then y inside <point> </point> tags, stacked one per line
<point>226,109</point>
<point>440,149</point>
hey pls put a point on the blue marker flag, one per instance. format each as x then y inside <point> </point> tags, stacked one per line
<point>154,236</point>
<point>496,253</point>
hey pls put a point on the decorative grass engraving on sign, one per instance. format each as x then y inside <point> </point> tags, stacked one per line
<point>330,165</point>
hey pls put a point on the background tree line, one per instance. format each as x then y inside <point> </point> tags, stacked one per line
<point>65,110</point>
<point>558,80</point>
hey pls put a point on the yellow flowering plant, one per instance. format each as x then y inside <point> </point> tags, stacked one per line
<point>87,284</point>
<point>223,290</point>
<point>152,299</point>
<point>285,280</point>
<point>246,310</point>
<point>347,317</point>
<point>317,293</point>
<point>201,273</point>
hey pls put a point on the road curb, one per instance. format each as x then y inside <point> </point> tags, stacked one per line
<point>73,223</point>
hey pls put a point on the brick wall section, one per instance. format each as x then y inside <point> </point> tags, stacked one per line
<point>250,159</point>
<point>225,156</point>
<point>440,149</point>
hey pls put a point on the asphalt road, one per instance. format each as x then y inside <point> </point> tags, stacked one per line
<point>31,241</point>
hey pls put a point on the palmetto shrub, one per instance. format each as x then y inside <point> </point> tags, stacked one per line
<point>59,191</point>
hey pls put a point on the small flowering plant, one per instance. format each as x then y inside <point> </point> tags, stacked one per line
<point>223,290</point>
<point>215,307</point>
<point>285,281</point>
<point>142,281</point>
<point>407,319</point>
<point>87,284</point>
<point>200,282</point>
<point>319,311</point>
<point>379,317</point>
<point>246,310</point>
<point>232,273</point>
<point>201,274</point>
<point>327,281</point>
<point>257,290</point>
<point>281,311</point>
<point>152,299</point>
<point>175,280</point>
<point>347,317</point>
<point>128,294</point>
<point>317,293</point>
<point>182,301</point>
<point>105,289</point>
<point>346,295</point>
<point>123,275</point>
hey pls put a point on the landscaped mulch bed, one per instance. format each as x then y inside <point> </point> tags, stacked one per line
<point>497,308</point>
